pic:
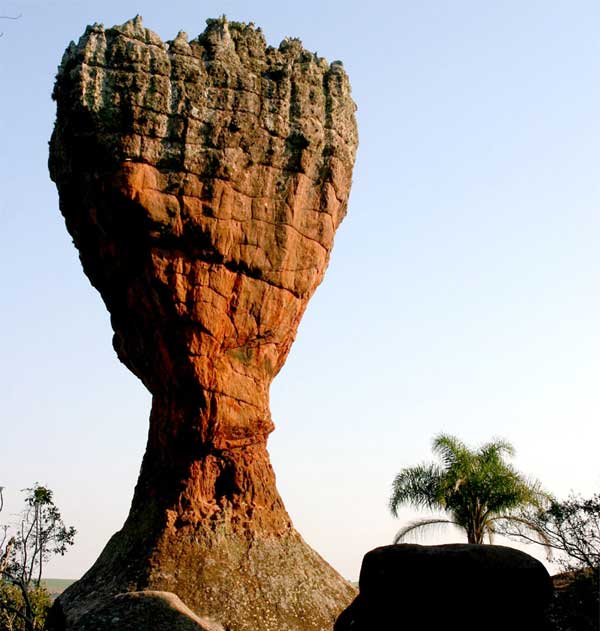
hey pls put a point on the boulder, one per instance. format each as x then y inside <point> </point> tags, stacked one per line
<point>455,586</point>
<point>134,611</point>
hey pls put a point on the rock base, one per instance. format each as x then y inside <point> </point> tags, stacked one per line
<point>243,582</point>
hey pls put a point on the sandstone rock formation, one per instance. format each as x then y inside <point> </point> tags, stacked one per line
<point>202,182</point>
<point>454,586</point>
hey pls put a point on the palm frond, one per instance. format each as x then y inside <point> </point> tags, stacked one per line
<point>419,524</point>
<point>416,486</point>
<point>491,532</point>
<point>496,448</point>
<point>538,496</point>
<point>449,449</point>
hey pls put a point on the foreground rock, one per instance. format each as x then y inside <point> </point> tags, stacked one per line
<point>134,611</point>
<point>202,183</point>
<point>457,586</point>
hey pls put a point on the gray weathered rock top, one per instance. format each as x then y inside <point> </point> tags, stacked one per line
<point>156,100</point>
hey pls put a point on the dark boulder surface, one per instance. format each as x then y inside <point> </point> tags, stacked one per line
<point>456,586</point>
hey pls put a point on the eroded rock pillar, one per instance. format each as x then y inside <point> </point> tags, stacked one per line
<point>202,182</point>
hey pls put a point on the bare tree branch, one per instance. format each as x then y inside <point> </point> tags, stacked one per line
<point>571,527</point>
<point>9,17</point>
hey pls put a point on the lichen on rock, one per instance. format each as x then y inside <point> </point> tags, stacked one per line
<point>202,182</point>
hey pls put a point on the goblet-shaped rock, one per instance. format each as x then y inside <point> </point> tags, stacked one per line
<point>202,183</point>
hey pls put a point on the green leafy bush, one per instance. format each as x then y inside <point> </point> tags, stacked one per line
<point>13,608</point>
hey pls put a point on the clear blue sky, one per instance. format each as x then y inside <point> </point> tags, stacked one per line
<point>462,294</point>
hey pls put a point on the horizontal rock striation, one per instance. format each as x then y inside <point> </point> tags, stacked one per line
<point>202,182</point>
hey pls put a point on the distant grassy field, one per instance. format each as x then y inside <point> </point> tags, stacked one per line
<point>56,585</point>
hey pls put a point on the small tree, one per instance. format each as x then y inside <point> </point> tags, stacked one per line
<point>570,527</point>
<point>478,489</point>
<point>24,550</point>
<point>571,530</point>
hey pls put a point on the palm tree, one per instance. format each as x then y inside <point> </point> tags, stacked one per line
<point>477,489</point>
